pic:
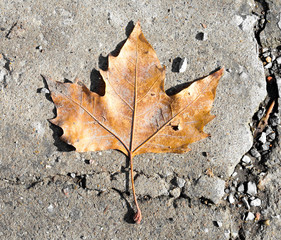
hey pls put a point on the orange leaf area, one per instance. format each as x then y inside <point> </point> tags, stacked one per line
<point>135,115</point>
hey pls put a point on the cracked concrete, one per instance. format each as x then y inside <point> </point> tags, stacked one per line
<point>41,199</point>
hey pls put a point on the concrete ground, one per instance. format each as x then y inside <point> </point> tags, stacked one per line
<point>49,191</point>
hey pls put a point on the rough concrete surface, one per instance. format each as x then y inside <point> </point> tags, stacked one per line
<point>48,191</point>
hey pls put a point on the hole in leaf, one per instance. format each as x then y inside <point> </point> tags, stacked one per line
<point>175,128</point>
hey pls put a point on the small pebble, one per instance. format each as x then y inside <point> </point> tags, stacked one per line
<point>73,175</point>
<point>251,188</point>
<point>254,152</point>
<point>264,50</point>
<point>180,182</point>
<point>274,120</point>
<point>266,54</point>
<point>245,202</point>
<point>246,159</point>
<point>176,192</point>
<point>241,188</point>
<point>256,202</point>
<point>45,90</point>
<point>50,208</point>
<point>234,174</point>
<point>183,65</point>
<point>226,190</point>
<point>271,136</point>
<point>262,138</point>
<point>231,198</point>
<point>268,130</point>
<point>218,224</point>
<point>250,216</point>
<point>265,146</point>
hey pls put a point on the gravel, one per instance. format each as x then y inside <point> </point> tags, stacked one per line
<point>256,202</point>
<point>246,159</point>
<point>251,188</point>
<point>180,182</point>
<point>250,216</point>
<point>176,192</point>
<point>231,198</point>
<point>262,138</point>
<point>255,153</point>
<point>183,65</point>
<point>241,188</point>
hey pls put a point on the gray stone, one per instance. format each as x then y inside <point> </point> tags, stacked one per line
<point>45,90</point>
<point>251,188</point>
<point>268,130</point>
<point>268,66</point>
<point>151,186</point>
<point>211,188</point>
<point>271,136</point>
<point>176,192</point>
<point>249,216</point>
<point>260,113</point>
<point>256,202</point>
<point>183,65</point>
<point>180,182</point>
<point>274,120</point>
<point>246,159</point>
<point>255,153</point>
<point>241,188</point>
<point>262,137</point>
<point>231,198</point>
<point>50,208</point>
<point>265,146</point>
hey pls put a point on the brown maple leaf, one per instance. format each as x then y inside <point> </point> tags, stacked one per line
<point>135,115</point>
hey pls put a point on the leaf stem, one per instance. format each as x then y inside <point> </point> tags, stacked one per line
<point>138,216</point>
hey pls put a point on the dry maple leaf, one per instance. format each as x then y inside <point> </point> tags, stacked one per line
<point>135,115</point>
